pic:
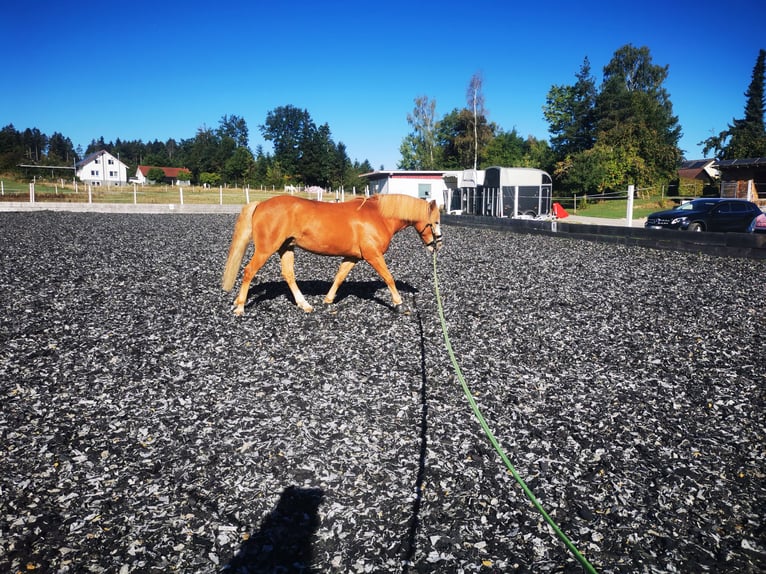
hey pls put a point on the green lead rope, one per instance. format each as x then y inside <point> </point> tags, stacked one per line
<point>563,537</point>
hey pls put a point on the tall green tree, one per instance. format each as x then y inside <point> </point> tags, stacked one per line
<point>418,149</point>
<point>505,149</point>
<point>318,156</point>
<point>60,150</point>
<point>635,133</point>
<point>634,114</point>
<point>455,136</point>
<point>287,127</point>
<point>233,127</point>
<point>570,113</point>
<point>746,137</point>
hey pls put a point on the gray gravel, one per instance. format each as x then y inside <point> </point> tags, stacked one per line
<point>145,428</point>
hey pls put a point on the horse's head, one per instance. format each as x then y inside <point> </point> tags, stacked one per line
<point>430,230</point>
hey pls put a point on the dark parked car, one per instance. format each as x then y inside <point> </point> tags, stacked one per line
<point>708,214</point>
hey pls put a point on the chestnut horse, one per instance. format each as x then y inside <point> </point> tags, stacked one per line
<point>355,230</point>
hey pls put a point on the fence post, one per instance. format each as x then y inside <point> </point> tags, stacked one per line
<point>631,193</point>
<point>181,194</point>
<point>247,195</point>
<point>134,194</point>
<point>2,188</point>
<point>220,195</point>
<point>90,193</point>
<point>32,192</point>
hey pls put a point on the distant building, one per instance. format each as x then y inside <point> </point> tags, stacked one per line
<point>102,168</point>
<point>700,169</point>
<point>425,184</point>
<point>171,175</point>
<point>744,178</point>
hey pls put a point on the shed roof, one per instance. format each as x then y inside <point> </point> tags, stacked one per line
<point>169,171</point>
<point>752,162</point>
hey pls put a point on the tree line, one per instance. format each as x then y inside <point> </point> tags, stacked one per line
<point>304,153</point>
<point>602,137</point>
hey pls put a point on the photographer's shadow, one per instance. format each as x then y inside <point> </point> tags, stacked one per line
<point>283,541</point>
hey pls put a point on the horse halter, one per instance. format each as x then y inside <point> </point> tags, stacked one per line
<point>436,241</point>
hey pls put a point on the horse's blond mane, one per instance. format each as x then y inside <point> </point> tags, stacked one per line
<point>403,207</point>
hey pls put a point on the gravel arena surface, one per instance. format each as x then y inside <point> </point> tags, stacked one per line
<point>145,428</point>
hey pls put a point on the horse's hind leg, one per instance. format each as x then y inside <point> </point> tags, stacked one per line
<point>345,268</point>
<point>257,261</point>
<point>287,257</point>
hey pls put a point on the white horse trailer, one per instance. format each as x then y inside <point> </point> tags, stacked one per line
<point>501,192</point>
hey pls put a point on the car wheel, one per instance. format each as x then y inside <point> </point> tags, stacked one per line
<point>696,227</point>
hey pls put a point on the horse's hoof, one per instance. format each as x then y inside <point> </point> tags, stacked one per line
<point>239,311</point>
<point>400,309</point>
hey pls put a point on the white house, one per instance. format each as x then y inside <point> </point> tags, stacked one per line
<point>102,168</point>
<point>423,184</point>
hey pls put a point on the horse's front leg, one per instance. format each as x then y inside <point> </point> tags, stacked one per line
<point>345,268</point>
<point>287,258</point>
<point>379,264</point>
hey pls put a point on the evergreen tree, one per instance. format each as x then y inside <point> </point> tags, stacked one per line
<point>570,113</point>
<point>745,138</point>
<point>287,127</point>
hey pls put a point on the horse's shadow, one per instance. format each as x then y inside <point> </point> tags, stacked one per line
<point>375,291</point>
<point>283,541</point>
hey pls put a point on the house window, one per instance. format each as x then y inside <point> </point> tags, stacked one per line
<point>112,174</point>
<point>424,190</point>
<point>110,161</point>
<point>94,172</point>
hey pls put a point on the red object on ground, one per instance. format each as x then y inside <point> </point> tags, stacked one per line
<point>559,211</point>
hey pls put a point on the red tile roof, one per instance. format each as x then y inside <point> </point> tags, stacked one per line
<point>171,172</point>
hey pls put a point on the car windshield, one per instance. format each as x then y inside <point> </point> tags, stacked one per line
<point>696,205</point>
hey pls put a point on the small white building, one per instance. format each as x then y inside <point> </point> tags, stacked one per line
<point>102,168</point>
<point>422,184</point>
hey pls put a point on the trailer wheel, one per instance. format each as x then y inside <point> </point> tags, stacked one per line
<point>530,213</point>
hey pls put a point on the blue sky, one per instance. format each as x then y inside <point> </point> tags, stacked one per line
<point>162,70</point>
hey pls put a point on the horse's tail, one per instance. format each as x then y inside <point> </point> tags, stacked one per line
<point>243,231</point>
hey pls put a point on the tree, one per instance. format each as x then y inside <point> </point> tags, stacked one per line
<point>233,127</point>
<point>287,128</point>
<point>475,98</point>
<point>632,122</point>
<point>155,175</point>
<point>239,165</point>
<point>746,137</point>
<point>318,156</point>
<point>60,150</point>
<point>456,137</point>
<point>506,149</point>
<point>418,148</point>
<point>569,111</point>
<point>199,153</point>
